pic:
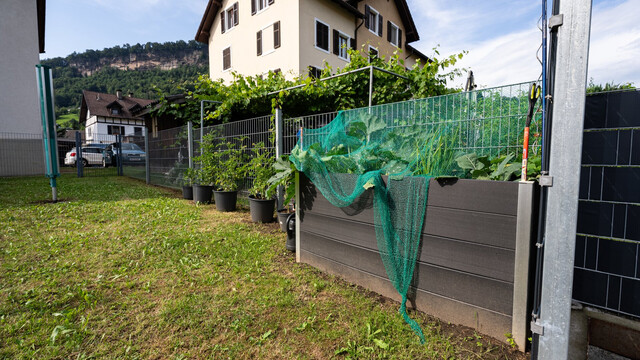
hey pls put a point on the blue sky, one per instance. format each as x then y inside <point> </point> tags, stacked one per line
<point>501,35</point>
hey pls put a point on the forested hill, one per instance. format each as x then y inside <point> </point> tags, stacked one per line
<point>137,69</point>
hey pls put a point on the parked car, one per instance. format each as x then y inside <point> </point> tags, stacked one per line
<point>132,154</point>
<point>91,155</point>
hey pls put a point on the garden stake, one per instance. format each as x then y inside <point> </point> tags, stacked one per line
<point>534,94</point>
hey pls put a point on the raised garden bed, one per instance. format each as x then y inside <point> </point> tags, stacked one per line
<point>473,265</point>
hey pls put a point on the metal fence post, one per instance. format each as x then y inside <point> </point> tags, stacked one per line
<point>147,167</point>
<point>79,154</point>
<point>370,86</point>
<point>190,143</point>
<point>563,181</point>
<point>119,157</point>
<point>279,150</point>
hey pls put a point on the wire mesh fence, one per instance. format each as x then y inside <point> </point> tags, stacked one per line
<point>292,127</point>
<point>488,122</point>
<point>168,157</point>
<point>21,154</point>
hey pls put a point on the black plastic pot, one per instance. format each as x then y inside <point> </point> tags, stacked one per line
<point>226,200</point>
<point>202,194</point>
<point>291,232</point>
<point>261,209</point>
<point>283,214</point>
<point>187,192</point>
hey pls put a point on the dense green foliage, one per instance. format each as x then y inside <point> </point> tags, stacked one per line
<point>144,82</point>
<point>248,96</point>
<point>595,88</point>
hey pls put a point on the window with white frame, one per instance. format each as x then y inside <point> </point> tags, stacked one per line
<point>341,43</point>
<point>229,18</point>
<point>259,5</point>
<point>266,43</point>
<point>373,53</point>
<point>394,34</point>
<point>322,36</point>
<point>373,20</point>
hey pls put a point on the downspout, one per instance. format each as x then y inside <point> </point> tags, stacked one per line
<point>355,33</point>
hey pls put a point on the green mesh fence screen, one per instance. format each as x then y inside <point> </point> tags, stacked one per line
<point>392,150</point>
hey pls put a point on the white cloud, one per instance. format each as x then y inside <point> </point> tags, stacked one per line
<point>502,38</point>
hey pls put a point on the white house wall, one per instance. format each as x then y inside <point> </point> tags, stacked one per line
<point>243,41</point>
<point>19,107</point>
<point>97,128</point>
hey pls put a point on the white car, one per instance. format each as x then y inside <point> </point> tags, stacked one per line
<point>91,155</point>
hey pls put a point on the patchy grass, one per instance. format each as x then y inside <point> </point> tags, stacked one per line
<point>124,270</point>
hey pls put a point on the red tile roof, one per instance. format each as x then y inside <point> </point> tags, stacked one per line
<point>100,104</point>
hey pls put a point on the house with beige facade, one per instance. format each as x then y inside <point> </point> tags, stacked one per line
<point>297,37</point>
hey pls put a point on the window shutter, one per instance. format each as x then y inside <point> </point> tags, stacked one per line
<point>336,45</point>
<point>276,35</point>
<point>388,31</point>
<point>235,14</point>
<point>259,42</point>
<point>222,22</point>
<point>253,7</point>
<point>400,38</point>
<point>352,43</point>
<point>226,58</point>
<point>271,2</point>
<point>367,11</point>
<point>380,25</point>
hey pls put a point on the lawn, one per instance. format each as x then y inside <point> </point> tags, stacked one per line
<point>120,269</point>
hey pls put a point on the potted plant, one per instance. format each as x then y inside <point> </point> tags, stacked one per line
<point>204,177</point>
<point>261,200</point>
<point>284,176</point>
<point>188,178</point>
<point>231,169</point>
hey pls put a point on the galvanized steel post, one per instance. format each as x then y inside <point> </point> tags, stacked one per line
<point>79,153</point>
<point>279,123</point>
<point>564,180</point>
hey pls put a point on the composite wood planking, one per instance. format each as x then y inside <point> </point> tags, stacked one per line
<point>465,265</point>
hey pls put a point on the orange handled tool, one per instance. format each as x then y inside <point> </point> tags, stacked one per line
<point>534,94</point>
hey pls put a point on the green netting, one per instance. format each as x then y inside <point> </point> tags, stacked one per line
<point>391,151</point>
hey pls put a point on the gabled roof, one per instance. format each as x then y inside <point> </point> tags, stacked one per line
<point>407,21</point>
<point>99,104</point>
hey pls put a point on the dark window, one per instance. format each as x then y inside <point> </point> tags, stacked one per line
<point>115,111</point>
<point>226,58</point>
<point>373,53</point>
<point>322,36</point>
<point>259,42</point>
<point>314,72</point>
<point>276,35</point>
<point>137,131</point>
<point>115,130</point>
